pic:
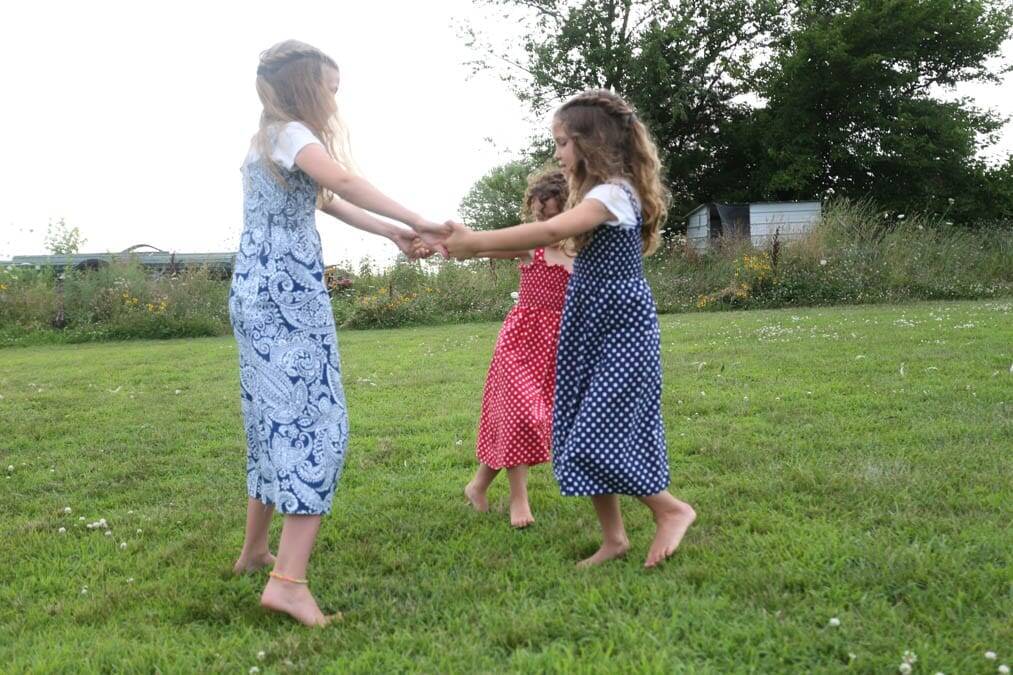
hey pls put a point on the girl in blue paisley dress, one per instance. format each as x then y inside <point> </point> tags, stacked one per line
<point>293,404</point>
<point>607,434</point>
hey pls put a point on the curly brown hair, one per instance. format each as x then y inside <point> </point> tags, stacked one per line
<point>611,142</point>
<point>544,185</point>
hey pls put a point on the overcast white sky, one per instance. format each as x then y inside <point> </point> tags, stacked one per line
<point>130,120</point>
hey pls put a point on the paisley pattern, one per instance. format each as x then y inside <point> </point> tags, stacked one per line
<point>290,373</point>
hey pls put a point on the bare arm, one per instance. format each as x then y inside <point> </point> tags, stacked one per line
<point>405,239</point>
<point>319,166</point>
<point>584,217</point>
<point>504,255</point>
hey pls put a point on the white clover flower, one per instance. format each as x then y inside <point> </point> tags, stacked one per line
<point>952,201</point>
<point>10,467</point>
<point>62,530</point>
<point>904,668</point>
<point>834,622</point>
<point>990,656</point>
<point>81,518</point>
<point>515,296</point>
<point>130,580</point>
<point>84,590</point>
<point>261,655</point>
<point>66,509</point>
<point>1004,669</point>
<point>138,531</point>
<point>178,392</point>
<point>254,670</point>
<point>910,656</point>
<point>458,442</point>
<point>823,262</point>
<point>109,533</point>
<point>900,216</point>
<point>123,545</point>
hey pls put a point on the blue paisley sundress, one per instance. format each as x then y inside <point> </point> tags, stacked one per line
<point>293,402</point>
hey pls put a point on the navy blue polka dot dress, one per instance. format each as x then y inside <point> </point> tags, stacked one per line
<point>608,436</point>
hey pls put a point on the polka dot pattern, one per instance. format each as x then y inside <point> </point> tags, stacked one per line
<point>608,435</point>
<point>516,423</point>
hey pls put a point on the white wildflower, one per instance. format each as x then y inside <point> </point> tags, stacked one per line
<point>515,296</point>
<point>834,622</point>
<point>823,262</point>
<point>10,467</point>
<point>1004,669</point>
<point>254,670</point>
<point>84,590</point>
<point>900,216</point>
<point>904,668</point>
<point>67,510</point>
<point>952,201</point>
<point>910,656</point>
<point>130,580</point>
<point>62,530</point>
<point>178,392</point>
<point>138,531</point>
<point>990,656</point>
<point>261,655</point>
<point>109,533</point>
<point>123,545</point>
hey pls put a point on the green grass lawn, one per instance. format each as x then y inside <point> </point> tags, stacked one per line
<point>851,463</point>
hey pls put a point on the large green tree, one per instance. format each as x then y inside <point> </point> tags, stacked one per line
<point>853,104</point>
<point>790,99</point>
<point>684,64</point>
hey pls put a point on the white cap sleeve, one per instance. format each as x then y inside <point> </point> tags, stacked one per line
<point>618,203</point>
<point>292,138</point>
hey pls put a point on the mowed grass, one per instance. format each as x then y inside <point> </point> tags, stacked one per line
<point>851,463</point>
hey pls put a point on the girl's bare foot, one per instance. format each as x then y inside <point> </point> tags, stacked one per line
<point>608,551</point>
<point>296,601</point>
<point>520,513</point>
<point>477,497</point>
<point>672,523</point>
<point>252,563</point>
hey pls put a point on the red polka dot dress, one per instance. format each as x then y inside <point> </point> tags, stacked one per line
<point>516,424</point>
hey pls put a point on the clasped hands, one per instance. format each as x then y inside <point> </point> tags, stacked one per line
<point>450,239</point>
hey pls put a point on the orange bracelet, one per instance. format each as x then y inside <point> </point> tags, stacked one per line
<point>291,580</point>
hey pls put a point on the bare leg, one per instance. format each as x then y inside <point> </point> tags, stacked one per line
<point>672,518</point>
<point>476,489</point>
<point>614,540</point>
<point>297,538</point>
<point>520,510</point>
<point>255,553</point>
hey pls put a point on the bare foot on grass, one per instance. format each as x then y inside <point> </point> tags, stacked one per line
<point>671,526</point>
<point>608,551</point>
<point>296,601</point>
<point>477,497</point>
<point>247,564</point>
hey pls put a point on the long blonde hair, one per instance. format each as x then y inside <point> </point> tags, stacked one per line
<point>290,84</point>
<point>611,142</point>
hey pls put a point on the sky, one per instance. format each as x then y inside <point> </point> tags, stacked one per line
<point>129,120</point>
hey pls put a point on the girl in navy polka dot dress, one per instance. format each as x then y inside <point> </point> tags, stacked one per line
<point>515,429</point>
<point>608,436</point>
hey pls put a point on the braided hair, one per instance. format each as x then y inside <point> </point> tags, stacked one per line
<point>291,88</point>
<point>610,141</point>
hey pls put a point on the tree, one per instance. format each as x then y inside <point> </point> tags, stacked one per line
<point>683,64</point>
<point>61,240</point>
<point>767,99</point>
<point>853,107</point>
<point>494,201</point>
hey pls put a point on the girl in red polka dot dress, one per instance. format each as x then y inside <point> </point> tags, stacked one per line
<point>515,429</point>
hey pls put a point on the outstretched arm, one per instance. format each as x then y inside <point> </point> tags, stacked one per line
<point>319,166</point>
<point>584,217</point>
<point>404,238</point>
